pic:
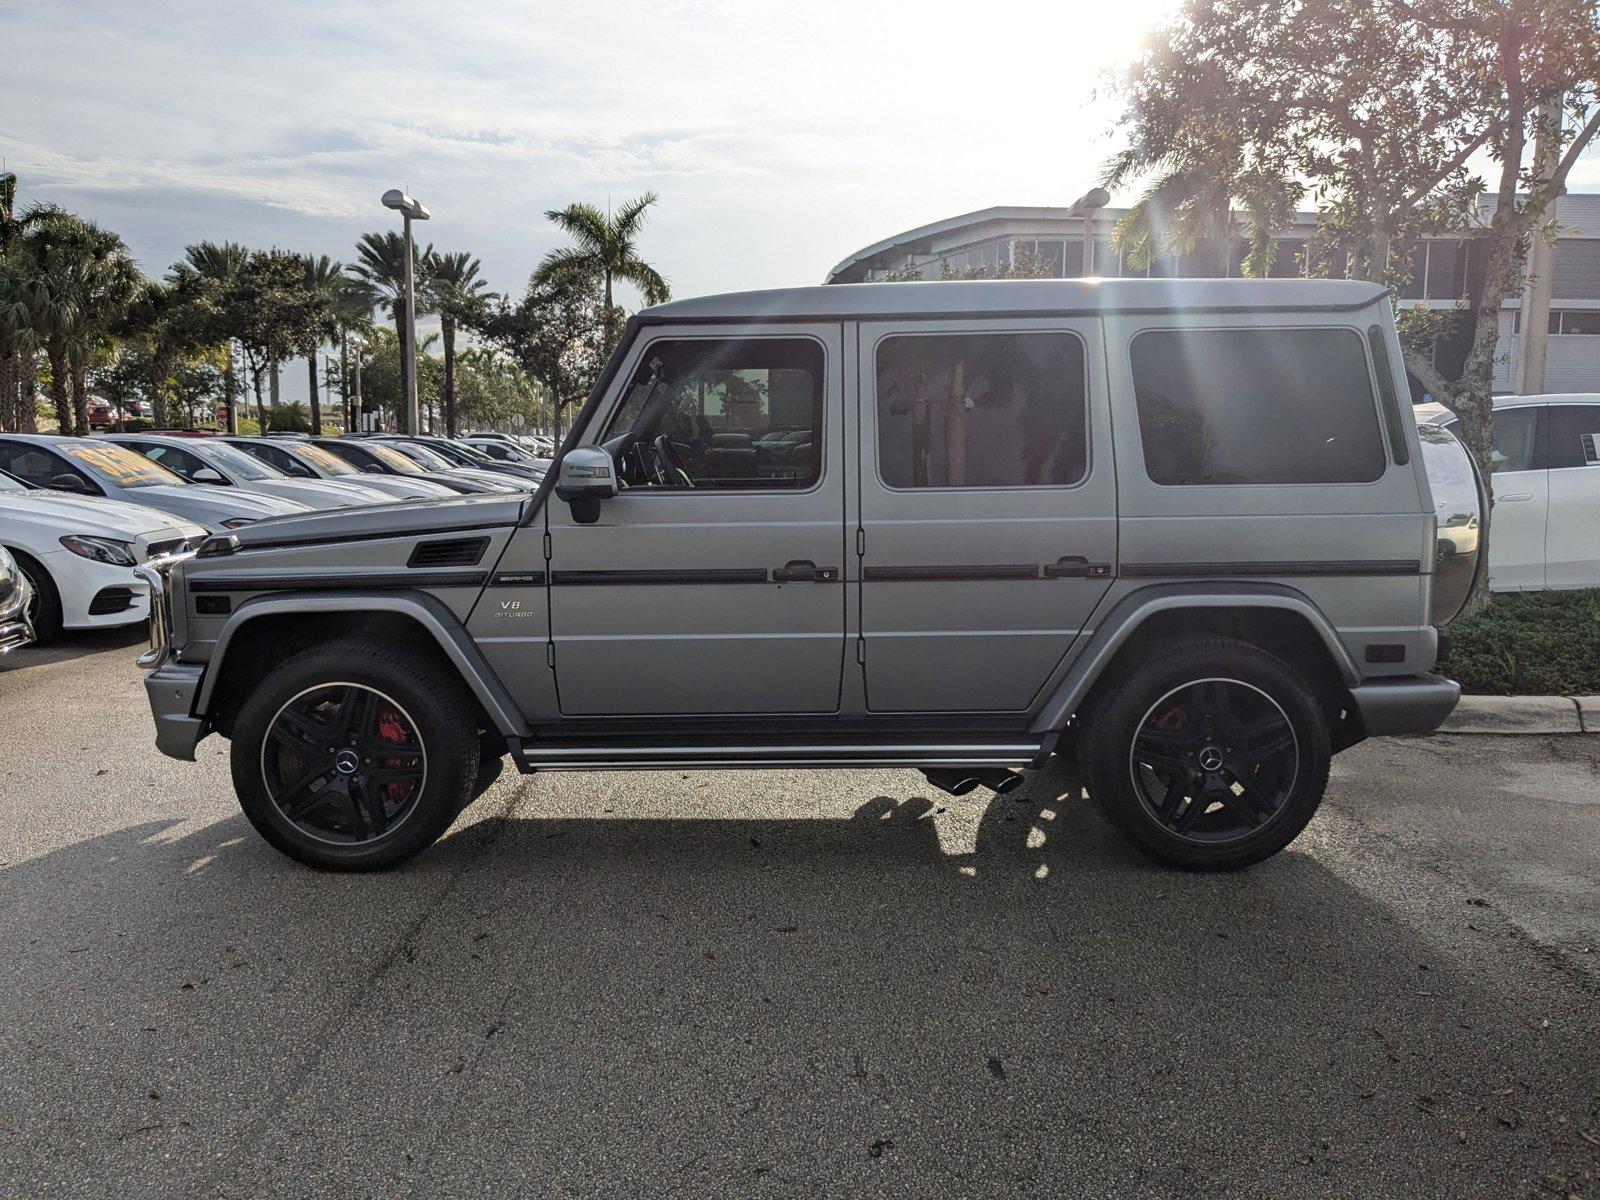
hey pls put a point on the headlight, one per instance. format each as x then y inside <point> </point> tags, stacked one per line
<point>104,550</point>
<point>238,522</point>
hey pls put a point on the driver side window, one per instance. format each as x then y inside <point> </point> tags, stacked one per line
<point>724,413</point>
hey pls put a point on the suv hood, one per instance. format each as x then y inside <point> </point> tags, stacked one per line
<point>92,516</point>
<point>386,520</point>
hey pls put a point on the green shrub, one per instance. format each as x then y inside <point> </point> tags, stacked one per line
<point>1529,644</point>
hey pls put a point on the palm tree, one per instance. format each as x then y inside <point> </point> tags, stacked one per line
<point>381,266</point>
<point>326,283</point>
<point>606,250</point>
<point>83,280</point>
<point>221,265</point>
<point>457,291</point>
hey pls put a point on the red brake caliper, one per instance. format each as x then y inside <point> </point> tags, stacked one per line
<point>392,730</point>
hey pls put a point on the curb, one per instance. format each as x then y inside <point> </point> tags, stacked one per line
<point>1524,714</point>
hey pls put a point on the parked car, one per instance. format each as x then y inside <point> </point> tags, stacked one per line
<point>374,457</point>
<point>16,598</point>
<point>306,460</point>
<point>92,467</point>
<point>437,455</point>
<point>1545,531</point>
<point>1178,530</point>
<point>218,464</point>
<point>507,451</point>
<point>78,555</point>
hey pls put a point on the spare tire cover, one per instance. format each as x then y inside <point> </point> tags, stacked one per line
<point>1458,511</point>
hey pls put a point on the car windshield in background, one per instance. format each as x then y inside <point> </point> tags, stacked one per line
<point>323,460</point>
<point>121,467</point>
<point>435,462</point>
<point>393,458</point>
<point>241,464</point>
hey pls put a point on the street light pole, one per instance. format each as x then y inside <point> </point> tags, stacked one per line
<point>1088,204</point>
<point>358,344</point>
<point>410,210</point>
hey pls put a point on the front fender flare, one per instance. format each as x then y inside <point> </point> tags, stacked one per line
<point>1134,609</point>
<point>428,611</point>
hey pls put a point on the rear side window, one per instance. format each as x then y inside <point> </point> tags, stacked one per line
<point>1256,406</point>
<point>1574,435</point>
<point>982,410</point>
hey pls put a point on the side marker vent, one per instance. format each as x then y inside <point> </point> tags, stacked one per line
<point>456,552</point>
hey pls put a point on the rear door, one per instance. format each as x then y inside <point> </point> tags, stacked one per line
<point>987,508</point>
<point>1572,529</point>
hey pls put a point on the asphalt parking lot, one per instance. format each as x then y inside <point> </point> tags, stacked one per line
<point>788,984</point>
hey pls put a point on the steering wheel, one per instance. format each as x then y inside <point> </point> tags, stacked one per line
<point>670,469</point>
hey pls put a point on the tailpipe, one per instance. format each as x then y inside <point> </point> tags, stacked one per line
<point>958,781</point>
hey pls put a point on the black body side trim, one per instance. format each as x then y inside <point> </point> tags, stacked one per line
<point>594,578</point>
<point>923,574</point>
<point>517,579</point>
<point>1359,566</point>
<point>298,583</point>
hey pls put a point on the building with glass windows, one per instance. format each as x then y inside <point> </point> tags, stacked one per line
<point>1448,273</point>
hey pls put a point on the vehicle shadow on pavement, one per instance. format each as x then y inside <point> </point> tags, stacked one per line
<point>75,644</point>
<point>930,996</point>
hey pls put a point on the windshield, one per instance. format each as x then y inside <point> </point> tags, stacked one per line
<point>324,460</point>
<point>120,467</point>
<point>392,458</point>
<point>428,458</point>
<point>239,463</point>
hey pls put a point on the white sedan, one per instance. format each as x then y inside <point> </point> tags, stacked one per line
<point>1546,527</point>
<point>78,554</point>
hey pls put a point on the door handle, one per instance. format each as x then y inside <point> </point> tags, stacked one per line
<point>1511,499</point>
<point>803,570</point>
<point>1075,566</point>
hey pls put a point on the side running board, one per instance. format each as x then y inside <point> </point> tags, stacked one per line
<point>593,756</point>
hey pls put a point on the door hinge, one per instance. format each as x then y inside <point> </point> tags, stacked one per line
<point>550,655</point>
<point>547,545</point>
<point>861,542</point>
<point>861,651</point>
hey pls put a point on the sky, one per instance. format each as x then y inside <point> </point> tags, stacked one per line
<point>779,136</point>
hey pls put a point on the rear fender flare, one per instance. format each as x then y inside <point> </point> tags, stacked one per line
<point>428,611</point>
<point>1134,609</point>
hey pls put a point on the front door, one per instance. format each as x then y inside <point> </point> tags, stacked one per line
<point>987,508</point>
<point>1572,529</point>
<point>713,583</point>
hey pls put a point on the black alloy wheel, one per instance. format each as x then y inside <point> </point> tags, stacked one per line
<point>1214,760</point>
<point>343,763</point>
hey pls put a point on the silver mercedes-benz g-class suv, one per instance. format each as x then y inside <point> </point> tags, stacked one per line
<point>1179,530</point>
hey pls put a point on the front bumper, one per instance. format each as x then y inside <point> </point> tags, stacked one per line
<point>171,689</point>
<point>1405,703</point>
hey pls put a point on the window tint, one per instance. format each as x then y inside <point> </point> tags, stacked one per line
<point>1516,439</point>
<point>1574,435</point>
<point>1256,406</point>
<point>717,401</point>
<point>982,410</point>
<point>36,465</point>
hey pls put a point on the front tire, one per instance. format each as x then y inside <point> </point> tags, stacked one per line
<point>1211,756</point>
<point>44,610</point>
<point>354,756</point>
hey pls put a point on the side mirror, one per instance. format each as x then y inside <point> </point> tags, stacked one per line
<point>373,469</point>
<point>300,472</point>
<point>587,476</point>
<point>207,475</point>
<point>68,483</point>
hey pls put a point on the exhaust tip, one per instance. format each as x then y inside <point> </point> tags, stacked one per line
<point>956,783</point>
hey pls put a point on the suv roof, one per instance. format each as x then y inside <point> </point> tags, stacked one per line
<point>834,302</point>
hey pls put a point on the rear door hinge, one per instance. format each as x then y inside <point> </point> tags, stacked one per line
<point>547,545</point>
<point>861,542</point>
<point>550,655</point>
<point>861,651</point>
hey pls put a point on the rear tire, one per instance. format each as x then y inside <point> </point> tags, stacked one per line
<point>1210,756</point>
<point>355,756</point>
<point>44,614</point>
